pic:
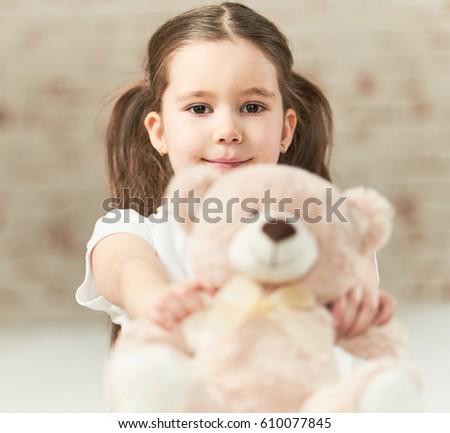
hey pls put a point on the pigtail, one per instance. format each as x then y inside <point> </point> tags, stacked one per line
<point>138,175</point>
<point>312,140</point>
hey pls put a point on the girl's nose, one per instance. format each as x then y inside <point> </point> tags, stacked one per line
<point>227,132</point>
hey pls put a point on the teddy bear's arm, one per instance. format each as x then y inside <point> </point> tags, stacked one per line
<point>386,340</point>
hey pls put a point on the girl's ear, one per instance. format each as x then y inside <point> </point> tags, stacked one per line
<point>290,122</point>
<point>153,124</point>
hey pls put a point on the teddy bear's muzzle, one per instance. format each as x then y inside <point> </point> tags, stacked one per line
<point>275,250</point>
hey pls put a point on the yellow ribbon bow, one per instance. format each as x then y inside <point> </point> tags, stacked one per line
<point>288,306</point>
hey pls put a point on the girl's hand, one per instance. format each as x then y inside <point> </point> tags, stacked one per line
<point>361,308</point>
<point>177,301</point>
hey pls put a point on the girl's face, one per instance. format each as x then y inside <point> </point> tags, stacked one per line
<point>222,107</point>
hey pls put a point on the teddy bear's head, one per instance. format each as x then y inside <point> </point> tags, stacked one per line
<point>278,224</point>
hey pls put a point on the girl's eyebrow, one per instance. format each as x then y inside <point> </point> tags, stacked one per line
<point>258,91</point>
<point>195,94</point>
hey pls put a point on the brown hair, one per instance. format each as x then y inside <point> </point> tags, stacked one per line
<point>135,166</point>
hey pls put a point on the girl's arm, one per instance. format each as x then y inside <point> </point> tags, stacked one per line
<point>131,276</point>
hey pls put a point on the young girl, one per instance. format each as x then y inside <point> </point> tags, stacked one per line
<point>219,90</point>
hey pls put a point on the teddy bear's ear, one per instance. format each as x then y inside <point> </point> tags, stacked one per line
<point>186,190</point>
<point>373,215</point>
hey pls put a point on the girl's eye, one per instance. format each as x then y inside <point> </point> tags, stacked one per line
<point>199,109</point>
<point>252,108</point>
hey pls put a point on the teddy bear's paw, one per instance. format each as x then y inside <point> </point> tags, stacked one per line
<point>396,389</point>
<point>153,380</point>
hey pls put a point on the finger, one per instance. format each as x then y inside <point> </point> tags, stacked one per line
<point>183,303</point>
<point>161,318</point>
<point>177,306</point>
<point>206,298</point>
<point>386,309</point>
<point>186,286</point>
<point>336,309</point>
<point>350,313</point>
<point>342,314</point>
<point>211,290</point>
<point>208,286</point>
<point>349,309</point>
<point>194,301</point>
<point>200,284</point>
<point>191,285</point>
<point>366,314</point>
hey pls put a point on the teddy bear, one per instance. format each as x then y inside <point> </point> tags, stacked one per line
<point>281,244</point>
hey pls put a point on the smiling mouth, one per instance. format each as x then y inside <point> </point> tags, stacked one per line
<point>226,163</point>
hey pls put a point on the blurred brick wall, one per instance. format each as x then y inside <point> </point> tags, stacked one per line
<point>384,64</point>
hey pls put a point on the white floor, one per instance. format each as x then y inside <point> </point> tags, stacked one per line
<point>58,368</point>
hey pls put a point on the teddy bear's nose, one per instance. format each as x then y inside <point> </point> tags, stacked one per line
<point>278,230</point>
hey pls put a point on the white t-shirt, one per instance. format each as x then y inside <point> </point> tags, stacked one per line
<point>159,230</point>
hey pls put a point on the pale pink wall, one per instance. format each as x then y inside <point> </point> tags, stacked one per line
<point>384,64</point>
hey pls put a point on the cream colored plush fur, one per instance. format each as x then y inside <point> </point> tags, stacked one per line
<point>266,342</point>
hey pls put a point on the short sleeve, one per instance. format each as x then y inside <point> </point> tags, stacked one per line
<point>116,221</point>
